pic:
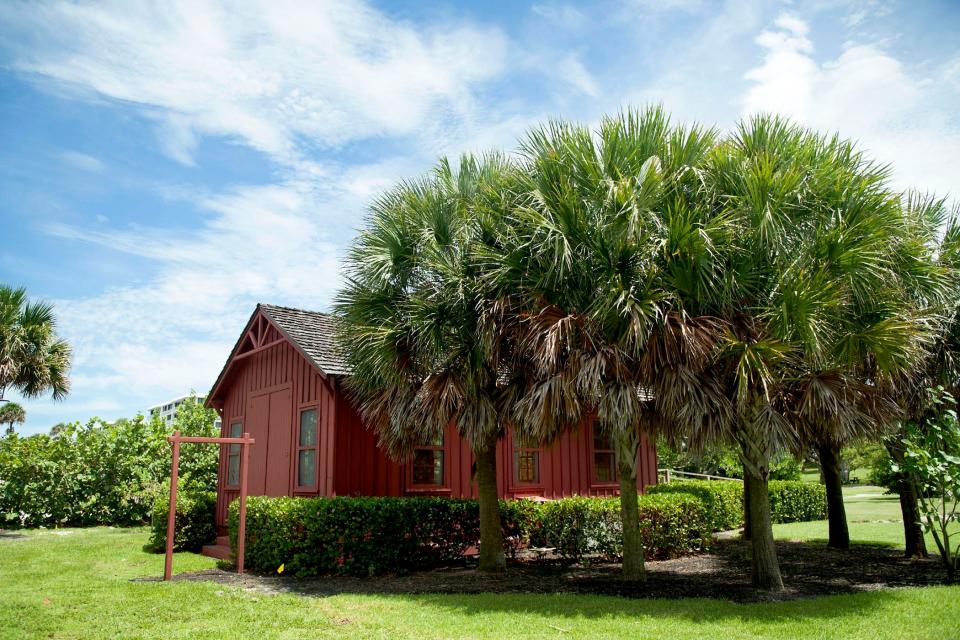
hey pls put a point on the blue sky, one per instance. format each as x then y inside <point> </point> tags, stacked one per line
<point>165,167</point>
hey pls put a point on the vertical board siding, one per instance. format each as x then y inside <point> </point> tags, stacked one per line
<point>275,367</point>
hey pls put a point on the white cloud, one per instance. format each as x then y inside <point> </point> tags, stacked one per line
<point>264,73</point>
<point>147,341</point>
<point>82,161</point>
<point>283,78</point>
<point>866,94</point>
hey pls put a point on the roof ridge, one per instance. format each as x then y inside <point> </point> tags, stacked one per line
<point>281,306</point>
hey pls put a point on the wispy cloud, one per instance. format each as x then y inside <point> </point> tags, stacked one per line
<point>82,161</point>
<point>268,74</point>
<point>866,94</point>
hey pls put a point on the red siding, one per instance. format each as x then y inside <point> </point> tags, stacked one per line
<point>266,389</point>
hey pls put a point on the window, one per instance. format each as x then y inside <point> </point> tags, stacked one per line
<point>604,458</point>
<point>526,465</point>
<point>307,449</point>
<point>428,463</point>
<point>233,456</point>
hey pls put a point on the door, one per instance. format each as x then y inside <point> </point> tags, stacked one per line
<point>269,423</point>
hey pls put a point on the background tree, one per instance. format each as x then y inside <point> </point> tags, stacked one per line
<point>410,323</point>
<point>932,459</point>
<point>33,360</point>
<point>12,413</point>
<point>937,230</point>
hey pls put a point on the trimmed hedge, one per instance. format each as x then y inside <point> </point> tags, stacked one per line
<point>368,536</point>
<point>723,499</point>
<point>670,526</point>
<point>790,500</point>
<point>795,501</point>
<point>196,514</point>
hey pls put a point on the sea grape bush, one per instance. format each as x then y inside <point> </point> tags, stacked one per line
<point>196,513</point>
<point>100,473</point>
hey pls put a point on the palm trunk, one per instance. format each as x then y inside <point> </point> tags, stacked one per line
<point>915,546</point>
<point>627,448</point>
<point>746,508</point>
<point>492,557</point>
<point>755,451</point>
<point>829,454</point>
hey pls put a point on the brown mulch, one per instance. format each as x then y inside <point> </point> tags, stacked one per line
<point>808,570</point>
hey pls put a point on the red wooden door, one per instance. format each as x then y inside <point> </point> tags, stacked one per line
<point>281,434</point>
<point>268,421</point>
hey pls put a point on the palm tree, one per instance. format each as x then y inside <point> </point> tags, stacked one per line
<point>33,360</point>
<point>410,317</point>
<point>11,413</point>
<point>579,284</point>
<point>847,392</point>
<point>814,289</point>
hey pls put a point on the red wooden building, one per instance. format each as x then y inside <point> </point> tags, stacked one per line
<point>283,384</point>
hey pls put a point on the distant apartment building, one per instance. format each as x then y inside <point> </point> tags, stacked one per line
<point>168,410</point>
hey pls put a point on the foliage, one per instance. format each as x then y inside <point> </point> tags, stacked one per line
<point>721,460</point>
<point>196,514</point>
<point>795,501</point>
<point>100,473</point>
<point>932,458</point>
<point>723,499</point>
<point>670,526</point>
<point>363,536</point>
<point>357,536</point>
<point>33,360</point>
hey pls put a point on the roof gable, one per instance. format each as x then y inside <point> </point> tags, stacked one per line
<point>312,334</point>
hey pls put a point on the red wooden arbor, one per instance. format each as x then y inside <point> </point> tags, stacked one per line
<point>244,441</point>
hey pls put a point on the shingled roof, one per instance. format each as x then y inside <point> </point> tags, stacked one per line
<point>314,333</point>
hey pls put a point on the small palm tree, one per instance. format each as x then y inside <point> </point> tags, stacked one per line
<point>12,413</point>
<point>33,360</point>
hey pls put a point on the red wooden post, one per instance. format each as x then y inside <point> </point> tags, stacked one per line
<point>242,529</point>
<point>172,515</point>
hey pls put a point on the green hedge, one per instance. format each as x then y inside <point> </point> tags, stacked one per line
<point>196,514</point>
<point>366,536</point>
<point>723,499</point>
<point>794,501</point>
<point>790,500</point>
<point>670,526</point>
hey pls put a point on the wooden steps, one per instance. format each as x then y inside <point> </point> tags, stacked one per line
<point>221,550</point>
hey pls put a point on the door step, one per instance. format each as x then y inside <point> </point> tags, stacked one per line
<point>221,550</point>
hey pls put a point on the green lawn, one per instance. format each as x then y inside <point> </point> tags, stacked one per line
<point>76,583</point>
<point>873,517</point>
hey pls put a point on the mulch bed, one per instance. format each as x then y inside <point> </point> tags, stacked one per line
<point>808,570</point>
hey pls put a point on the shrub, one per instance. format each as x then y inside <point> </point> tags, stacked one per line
<point>723,499</point>
<point>100,473</point>
<point>359,536</point>
<point>196,513</point>
<point>794,501</point>
<point>670,525</point>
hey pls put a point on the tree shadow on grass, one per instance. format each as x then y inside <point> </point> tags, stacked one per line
<point>809,570</point>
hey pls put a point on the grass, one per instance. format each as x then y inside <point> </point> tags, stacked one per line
<point>76,583</point>
<point>873,517</point>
